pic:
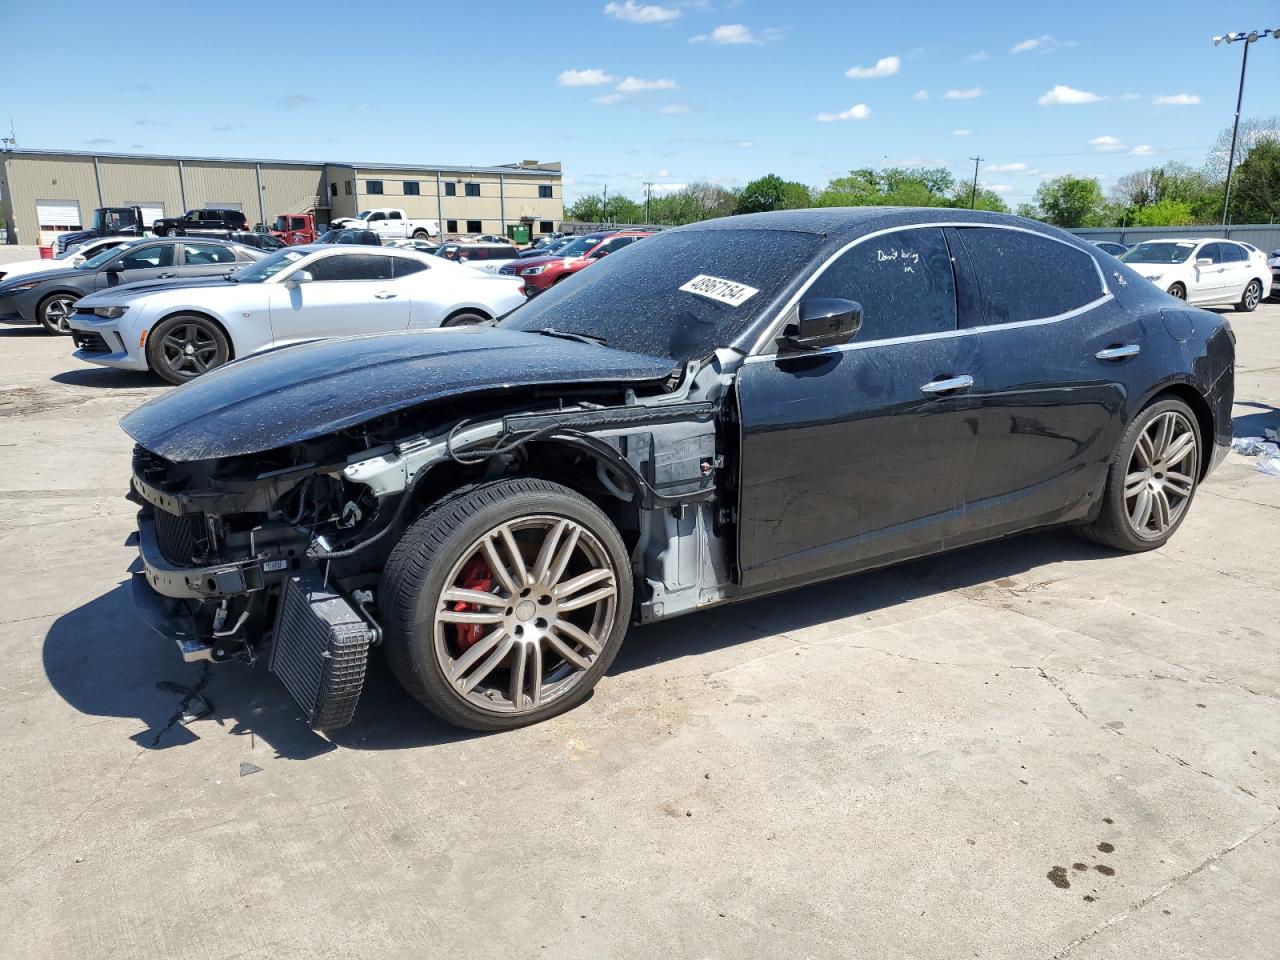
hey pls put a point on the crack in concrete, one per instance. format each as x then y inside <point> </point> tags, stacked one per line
<point>1162,890</point>
<point>193,693</point>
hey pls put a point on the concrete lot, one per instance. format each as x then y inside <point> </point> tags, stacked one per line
<point>1032,749</point>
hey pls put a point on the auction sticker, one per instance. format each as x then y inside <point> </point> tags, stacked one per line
<point>717,288</point>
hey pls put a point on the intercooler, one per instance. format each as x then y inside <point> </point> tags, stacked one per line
<point>320,650</point>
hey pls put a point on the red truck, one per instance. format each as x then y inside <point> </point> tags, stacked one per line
<point>295,228</point>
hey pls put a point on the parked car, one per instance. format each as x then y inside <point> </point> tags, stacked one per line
<point>489,257</point>
<point>298,293</point>
<point>263,241</point>
<point>550,248</point>
<point>295,228</point>
<point>422,246</point>
<point>107,222</point>
<point>211,222</point>
<point>1204,272</point>
<point>363,237</point>
<point>1111,247</point>
<point>541,273</point>
<point>390,223</point>
<point>729,409</point>
<point>49,297</point>
<point>1273,261</point>
<point>72,257</point>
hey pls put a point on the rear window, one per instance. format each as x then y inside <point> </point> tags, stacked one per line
<point>1024,276</point>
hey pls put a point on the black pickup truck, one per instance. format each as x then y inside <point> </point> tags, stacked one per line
<point>207,223</point>
<point>107,222</point>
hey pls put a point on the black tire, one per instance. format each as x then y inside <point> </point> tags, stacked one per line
<point>1178,291</point>
<point>465,318</point>
<point>431,548</point>
<point>53,312</point>
<point>1251,298</point>
<point>209,347</point>
<point>1113,527</point>
<point>420,235</point>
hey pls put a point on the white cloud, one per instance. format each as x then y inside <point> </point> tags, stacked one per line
<point>728,35</point>
<point>1061,95</point>
<point>633,12</point>
<point>997,187</point>
<point>1045,44</point>
<point>1006,168</point>
<point>968,93</point>
<point>594,77</point>
<point>1106,143</point>
<point>1176,100</point>
<point>1142,150</point>
<point>859,111</point>
<point>664,188</point>
<point>638,85</point>
<point>674,108</point>
<point>961,133</point>
<point>920,95</point>
<point>977,57</point>
<point>607,98</point>
<point>885,67</point>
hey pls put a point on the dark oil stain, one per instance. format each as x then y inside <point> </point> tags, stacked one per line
<point>1058,877</point>
<point>1106,847</point>
<point>1103,869</point>
<point>1201,706</point>
<point>1107,820</point>
<point>1079,866</point>
<point>1089,898</point>
<point>1166,913</point>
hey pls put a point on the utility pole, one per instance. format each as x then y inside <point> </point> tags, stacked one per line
<point>1246,39</point>
<point>604,207</point>
<point>973,191</point>
<point>648,195</point>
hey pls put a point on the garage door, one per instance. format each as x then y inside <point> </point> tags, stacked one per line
<point>151,210</point>
<point>58,214</point>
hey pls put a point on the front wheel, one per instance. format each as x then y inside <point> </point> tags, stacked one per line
<point>1252,297</point>
<point>54,313</point>
<point>467,318</point>
<point>505,604</point>
<point>182,348</point>
<point>1151,481</point>
<point>1178,291</point>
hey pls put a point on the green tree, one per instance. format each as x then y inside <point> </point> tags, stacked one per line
<point>983,199</point>
<point>697,201</point>
<point>891,187</point>
<point>771,192</point>
<point>1070,201</point>
<point>1255,187</point>
<point>1163,213</point>
<point>1030,211</point>
<point>589,208</point>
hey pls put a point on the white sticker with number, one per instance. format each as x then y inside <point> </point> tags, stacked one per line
<point>717,288</point>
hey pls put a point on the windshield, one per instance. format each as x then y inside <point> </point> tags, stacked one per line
<point>268,266</point>
<point>632,300</point>
<point>577,246</point>
<point>282,223</point>
<point>98,259</point>
<point>1159,252</point>
<point>364,216</point>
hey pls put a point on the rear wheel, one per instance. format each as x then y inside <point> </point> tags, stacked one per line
<point>420,235</point>
<point>1151,481</point>
<point>1179,291</point>
<point>467,318</point>
<point>1252,297</point>
<point>504,605</point>
<point>54,312</point>
<point>182,348</point>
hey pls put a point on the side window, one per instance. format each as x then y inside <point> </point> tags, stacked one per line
<point>194,215</point>
<point>297,223</point>
<point>1233,253</point>
<point>148,257</point>
<point>903,281</point>
<point>356,266</point>
<point>394,215</point>
<point>1211,252</point>
<point>203,254</point>
<point>1024,276</point>
<point>375,217</point>
<point>405,267</point>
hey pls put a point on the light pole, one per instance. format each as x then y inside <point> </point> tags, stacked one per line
<point>973,191</point>
<point>1246,38</point>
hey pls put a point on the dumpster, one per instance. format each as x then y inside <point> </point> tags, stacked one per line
<point>518,233</point>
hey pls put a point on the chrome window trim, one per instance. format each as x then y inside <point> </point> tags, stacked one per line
<point>773,328</point>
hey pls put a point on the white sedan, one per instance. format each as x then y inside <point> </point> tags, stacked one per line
<point>1204,272</point>
<point>181,329</point>
<point>65,260</point>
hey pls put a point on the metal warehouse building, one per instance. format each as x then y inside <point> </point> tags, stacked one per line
<point>45,191</point>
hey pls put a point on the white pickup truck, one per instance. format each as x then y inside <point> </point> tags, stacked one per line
<point>389,223</point>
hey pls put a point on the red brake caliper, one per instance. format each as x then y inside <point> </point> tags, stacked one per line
<point>476,575</point>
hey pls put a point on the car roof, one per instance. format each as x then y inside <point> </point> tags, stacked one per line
<point>347,248</point>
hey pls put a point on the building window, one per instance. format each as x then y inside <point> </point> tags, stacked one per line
<point>544,191</point>
<point>546,226</point>
<point>347,187</point>
<point>411,188</point>
<point>451,226</point>
<point>473,189</point>
<point>333,189</point>
<point>450,189</point>
<point>473,226</point>
<point>373,186</point>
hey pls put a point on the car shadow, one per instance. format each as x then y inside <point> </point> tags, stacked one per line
<point>1253,424</point>
<point>103,661</point>
<point>19,330</point>
<point>107,379</point>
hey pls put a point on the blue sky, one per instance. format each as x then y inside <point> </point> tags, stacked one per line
<point>628,91</point>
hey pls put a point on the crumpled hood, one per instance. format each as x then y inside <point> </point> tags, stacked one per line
<point>309,390</point>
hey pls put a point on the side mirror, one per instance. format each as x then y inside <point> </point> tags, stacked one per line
<point>822,322</point>
<point>299,276</point>
<point>77,260</point>
<point>600,254</point>
<point>1204,262</point>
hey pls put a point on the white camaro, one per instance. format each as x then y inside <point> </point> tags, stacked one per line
<point>181,329</point>
<point>63,261</point>
<point>1209,271</point>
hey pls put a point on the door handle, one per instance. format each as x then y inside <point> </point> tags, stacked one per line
<point>167,276</point>
<point>384,295</point>
<point>948,384</point>
<point>1119,353</point>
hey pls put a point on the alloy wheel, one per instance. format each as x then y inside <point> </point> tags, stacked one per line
<point>525,613</point>
<point>57,314</point>
<point>1252,295</point>
<point>189,350</point>
<point>1161,475</point>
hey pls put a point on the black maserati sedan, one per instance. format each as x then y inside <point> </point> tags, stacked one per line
<point>729,409</point>
<point>49,297</point>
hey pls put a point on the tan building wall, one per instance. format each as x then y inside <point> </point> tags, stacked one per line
<point>506,194</point>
